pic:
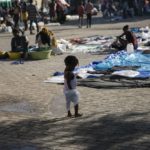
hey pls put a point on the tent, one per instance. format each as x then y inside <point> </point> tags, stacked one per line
<point>5,3</point>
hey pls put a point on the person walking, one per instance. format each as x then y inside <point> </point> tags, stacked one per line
<point>88,9</point>
<point>81,13</point>
<point>32,15</point>
<point>16,14</point>
<point>24,15</point>
<point>52,10</point>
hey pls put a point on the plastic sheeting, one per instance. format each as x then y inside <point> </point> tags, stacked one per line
<point>122,58</point>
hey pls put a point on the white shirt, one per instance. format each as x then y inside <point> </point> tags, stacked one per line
<point>73,84</point>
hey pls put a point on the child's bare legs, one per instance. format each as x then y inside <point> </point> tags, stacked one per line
<point>69,114</point>
<point>76,109</point>
<point>68,108</point>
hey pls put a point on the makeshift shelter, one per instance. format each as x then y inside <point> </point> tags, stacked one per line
<point>5,3</point>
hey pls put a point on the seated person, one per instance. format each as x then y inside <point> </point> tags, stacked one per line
<point>129,37</point>
<point>19,43</point>
<point>43,38</point>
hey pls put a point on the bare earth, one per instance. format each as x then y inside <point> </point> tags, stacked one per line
<point>32,113</point>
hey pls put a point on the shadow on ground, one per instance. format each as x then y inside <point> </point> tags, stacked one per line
<point>108,132</point>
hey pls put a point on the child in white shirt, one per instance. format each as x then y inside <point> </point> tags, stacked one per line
<point>70,84</point>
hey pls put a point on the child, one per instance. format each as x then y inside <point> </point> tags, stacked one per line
<point>70,83</point>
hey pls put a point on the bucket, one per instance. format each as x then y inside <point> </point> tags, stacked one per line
<point>39,55</point>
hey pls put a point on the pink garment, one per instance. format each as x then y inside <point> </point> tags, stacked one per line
<point>81,10</point>
<point>88,8</point>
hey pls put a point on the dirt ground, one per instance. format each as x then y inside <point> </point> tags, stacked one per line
<point>32,113</point>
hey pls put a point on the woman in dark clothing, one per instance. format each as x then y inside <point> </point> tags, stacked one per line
<point>19,43</point>
<point>43,38</point>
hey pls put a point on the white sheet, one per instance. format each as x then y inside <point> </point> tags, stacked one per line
<point>126,73</point>
<point>55,79</point>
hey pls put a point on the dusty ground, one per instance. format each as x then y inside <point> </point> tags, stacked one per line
<point>32,115</point>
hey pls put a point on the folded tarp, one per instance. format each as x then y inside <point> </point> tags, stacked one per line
<point>114,83</point>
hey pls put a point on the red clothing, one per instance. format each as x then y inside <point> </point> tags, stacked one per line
<point>81,10</point>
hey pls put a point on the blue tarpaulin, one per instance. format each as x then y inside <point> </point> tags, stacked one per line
<point>122,58</point>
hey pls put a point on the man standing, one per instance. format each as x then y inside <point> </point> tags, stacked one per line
<point>88,9</point>
<point>32,15</point>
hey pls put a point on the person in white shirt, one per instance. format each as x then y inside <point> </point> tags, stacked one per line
<point>70,83</point>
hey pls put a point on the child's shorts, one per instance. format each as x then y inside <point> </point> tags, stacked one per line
<point>72,96</point>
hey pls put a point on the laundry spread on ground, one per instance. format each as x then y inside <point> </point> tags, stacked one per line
<point>118,69</point>
<point>97,43</point>
<point>121,67</point>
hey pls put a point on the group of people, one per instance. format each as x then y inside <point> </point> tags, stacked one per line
<point>70,83</point>
<point>126,8</point>
<point>85,9</point>
<point>108,7</point>
<point>25,13</point>
<point>20,42</point>
<point>22,12</point>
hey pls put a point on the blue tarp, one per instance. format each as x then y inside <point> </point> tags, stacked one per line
<point>122,58</point>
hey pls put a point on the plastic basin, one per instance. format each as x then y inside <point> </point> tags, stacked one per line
<point>39,55</point>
